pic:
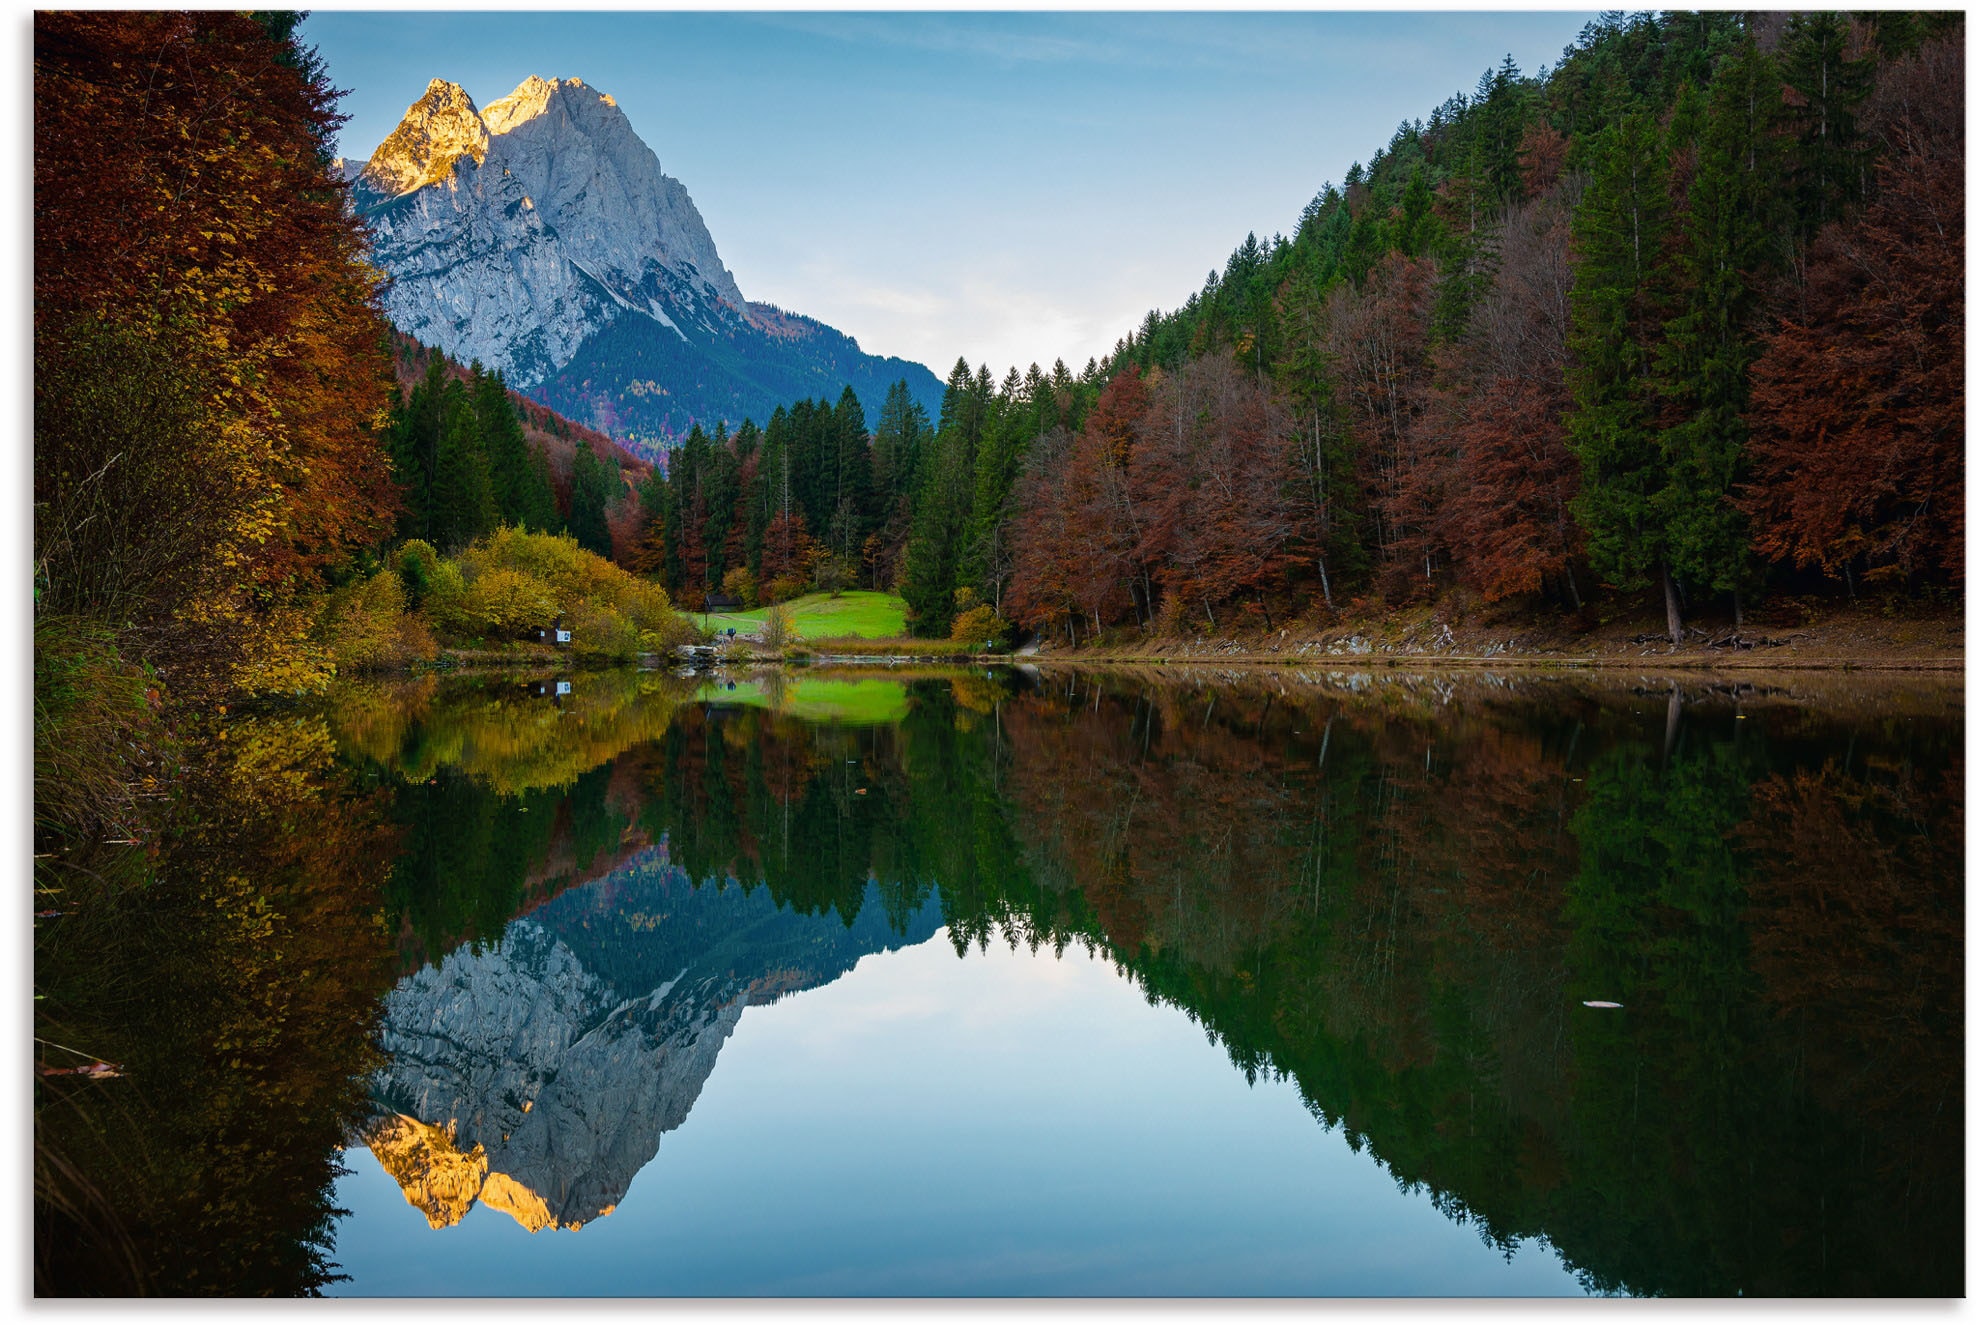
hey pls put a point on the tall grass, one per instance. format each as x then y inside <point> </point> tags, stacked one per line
<point>95,733</point>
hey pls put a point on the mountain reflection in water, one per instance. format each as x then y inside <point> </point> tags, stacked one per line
<point>1409,898</point>
<point>1401,895</point>
<point>538,1073</point>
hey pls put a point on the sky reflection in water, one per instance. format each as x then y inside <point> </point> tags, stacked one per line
<point>1396,901</point>
<point>1006,1123</point>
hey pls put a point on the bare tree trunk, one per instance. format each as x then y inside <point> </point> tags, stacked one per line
<point>1571,582</point>
<point>1674,631</point>
<point>1324,579</point>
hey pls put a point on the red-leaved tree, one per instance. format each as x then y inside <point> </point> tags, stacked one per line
<point>1856,418</point>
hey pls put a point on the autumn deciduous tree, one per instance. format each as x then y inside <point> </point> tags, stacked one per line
<point>1507,515</point>
<point>185,211</point>
<point>1215,474</point>
<point>1042,587</point>
<point>1377,340</point>
<point>1078,531</point>
<point>788,555</point>
<point>1857,410</point>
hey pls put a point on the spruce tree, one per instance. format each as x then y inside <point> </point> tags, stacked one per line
<point>463,506</point>
<point>942,507</point>
<point>1618,232</point>
<point>852,508</point>
<point>521,487</point>
<point>902,424</point>
<point>1005,436</point>
<point>415,450</point>
<point>590,493</point>
<point>1832,165</point>
<point>1731,233</point>
<point>721,481</point>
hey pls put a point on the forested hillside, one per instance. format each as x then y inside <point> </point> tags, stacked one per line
<point>1681,314</point>
<point>473,455</point>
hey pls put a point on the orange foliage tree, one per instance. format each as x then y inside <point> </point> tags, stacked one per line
<point>1856,420</point>
<point>1506,518</point>
<point>1214,476</point>
<point>1078,523</point>
<point>188,227</point>
<point>1376,337</point>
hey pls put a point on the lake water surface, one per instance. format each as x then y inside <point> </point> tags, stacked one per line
<point>1042,982</point>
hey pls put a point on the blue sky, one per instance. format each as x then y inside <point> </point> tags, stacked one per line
<point>1010,187</point>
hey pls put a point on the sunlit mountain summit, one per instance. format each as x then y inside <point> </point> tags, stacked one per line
<point>540,236</point>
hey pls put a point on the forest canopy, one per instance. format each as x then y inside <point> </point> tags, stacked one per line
<point>1680,315</point>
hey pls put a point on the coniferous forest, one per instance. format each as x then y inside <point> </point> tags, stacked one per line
<point>1682,314</point>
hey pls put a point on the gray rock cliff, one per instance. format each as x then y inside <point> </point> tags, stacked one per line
<point>515,233</point>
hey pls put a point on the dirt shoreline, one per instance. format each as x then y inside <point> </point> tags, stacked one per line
<point>1787,636</point>
<point>1498,662</point>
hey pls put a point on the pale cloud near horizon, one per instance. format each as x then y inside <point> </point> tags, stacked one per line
<point>1004,323</point>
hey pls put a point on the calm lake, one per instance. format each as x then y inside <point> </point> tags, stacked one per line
<point>1034,982</point>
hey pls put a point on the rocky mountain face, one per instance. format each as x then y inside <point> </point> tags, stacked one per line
<point>538,1074</point>
<point>540,236</point>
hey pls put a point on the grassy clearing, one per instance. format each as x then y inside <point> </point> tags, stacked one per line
<point>856,613</point>
<point>816,699</point>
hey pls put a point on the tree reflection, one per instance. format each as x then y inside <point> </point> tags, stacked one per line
<point>230,973</point>
<point>1400,897</point>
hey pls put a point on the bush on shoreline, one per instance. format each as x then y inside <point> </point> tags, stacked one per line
<point>490,596</point>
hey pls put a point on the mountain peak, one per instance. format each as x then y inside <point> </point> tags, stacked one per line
<point>534,98</point>
<point>564,237</point>
<point>438,129</point>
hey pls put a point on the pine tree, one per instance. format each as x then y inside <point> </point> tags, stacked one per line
<point>415,437</point>
<point>942,507</point>
<point>721,482</point>
<point>1731,235</point>
<point>590,493</point>
<point>520,478</point>
<point>851,515</point>
<point>1618,232</point>
<point>1832,161</point>
<point>1006,433</point>
<point>463,506</point>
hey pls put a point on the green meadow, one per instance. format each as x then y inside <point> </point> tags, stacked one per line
<point>856,613</point>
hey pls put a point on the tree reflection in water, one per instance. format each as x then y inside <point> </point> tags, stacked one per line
<point>1399,895</point>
